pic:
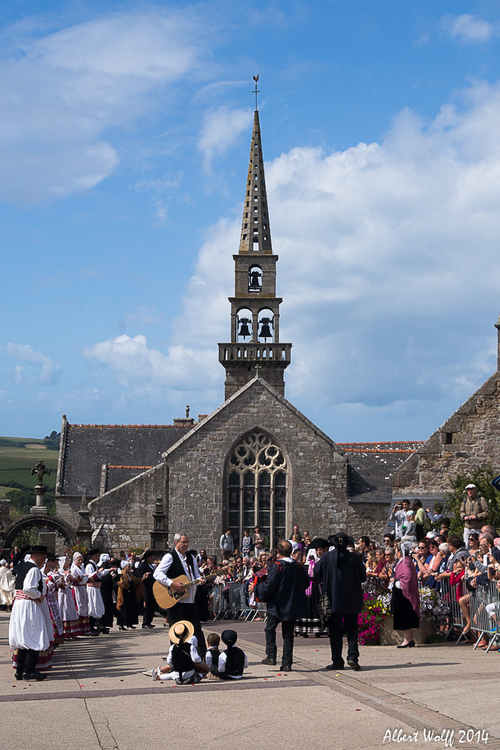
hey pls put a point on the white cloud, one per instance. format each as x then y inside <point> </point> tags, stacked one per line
<point>221,129</point>
<point>136,365</point>
<point>469,28</point>
<point>61,94</point>
<point>37,367</point>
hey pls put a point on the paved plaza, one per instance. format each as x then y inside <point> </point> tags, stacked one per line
<point>96,698</point>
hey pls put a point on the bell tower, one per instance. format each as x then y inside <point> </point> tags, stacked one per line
<point>255,348</point>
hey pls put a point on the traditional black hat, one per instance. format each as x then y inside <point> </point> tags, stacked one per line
<point>51,558</point>
<point>38,548</point>
<point>340,540</point>
<point>95,551</point>
<point>147,553</point>
<point>229,637</point>
<point>319,542</point>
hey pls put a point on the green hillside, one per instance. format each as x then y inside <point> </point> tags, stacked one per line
<point>17,457</point>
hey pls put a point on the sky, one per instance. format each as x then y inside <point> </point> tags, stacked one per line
<point>124,145</point>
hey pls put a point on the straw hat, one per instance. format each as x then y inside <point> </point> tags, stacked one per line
<point>181,631</point>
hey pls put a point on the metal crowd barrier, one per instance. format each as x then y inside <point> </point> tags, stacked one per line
<point>455,618</point>
<point>481,622</point>
<point>230,602</point>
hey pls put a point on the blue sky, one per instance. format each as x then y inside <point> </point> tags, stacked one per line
<point>123,154</point>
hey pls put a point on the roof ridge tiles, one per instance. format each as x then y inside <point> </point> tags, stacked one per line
<point>131,426</point>
<point>110,466</point>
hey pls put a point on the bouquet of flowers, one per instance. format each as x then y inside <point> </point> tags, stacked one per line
<point>432,607</point>
<point>78,547</point>
<point>371,619</point>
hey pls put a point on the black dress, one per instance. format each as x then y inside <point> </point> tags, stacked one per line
<point>311,624</point>
<point>129,611</point>
<point>405,617</point>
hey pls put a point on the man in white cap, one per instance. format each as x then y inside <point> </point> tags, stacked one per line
<point>473,511</point>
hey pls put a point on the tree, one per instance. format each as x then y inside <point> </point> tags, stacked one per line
<point>52,441</point>
<point>482,478</point>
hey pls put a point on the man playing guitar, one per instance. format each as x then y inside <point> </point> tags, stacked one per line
<point>177,563</point>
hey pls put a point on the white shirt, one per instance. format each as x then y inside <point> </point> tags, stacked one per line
<point>29,625</point>
<point>161,571</point>
<point>399,519</point>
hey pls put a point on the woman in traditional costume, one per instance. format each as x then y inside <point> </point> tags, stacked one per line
<point>80,592</point>
<point>7,584</point>
<point>71,621</point>
<point>51,578</point>
<point>107,585</point>
<point>405,601</point>
<point>130,593</point>
<point>311,624</point>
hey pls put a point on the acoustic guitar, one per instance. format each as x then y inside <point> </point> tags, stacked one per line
<point>166,597</point>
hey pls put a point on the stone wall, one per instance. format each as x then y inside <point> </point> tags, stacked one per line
<point>123,517</point>
<point>67,508</point>
<point>469,439</point>
<point>368,519</point>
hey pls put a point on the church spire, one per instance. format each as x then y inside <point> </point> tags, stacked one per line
<point>255,348</point>
<point>255,232</point>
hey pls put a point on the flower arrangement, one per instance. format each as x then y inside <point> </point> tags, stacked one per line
<point>376,608</point>
<point>432,607</point>
<point>136,550</point>
<point>78,547</point>
<point>370,620</point>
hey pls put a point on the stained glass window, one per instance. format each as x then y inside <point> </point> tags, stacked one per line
<point>256,485</point>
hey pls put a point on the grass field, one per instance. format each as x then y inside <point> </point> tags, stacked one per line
<point>16,463</point>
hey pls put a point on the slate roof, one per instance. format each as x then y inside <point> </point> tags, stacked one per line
<point>370,466</point>
<point>127,450</point>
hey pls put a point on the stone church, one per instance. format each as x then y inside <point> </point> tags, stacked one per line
<point>255,461</point>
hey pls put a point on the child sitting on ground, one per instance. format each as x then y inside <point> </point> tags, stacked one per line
<point>212,655</point>
<point>233,661</point>
<point>184,664</point>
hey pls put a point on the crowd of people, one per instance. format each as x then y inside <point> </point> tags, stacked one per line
<point>312,587</point>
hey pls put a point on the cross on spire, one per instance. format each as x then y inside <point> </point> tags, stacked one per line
<point>256,91</point>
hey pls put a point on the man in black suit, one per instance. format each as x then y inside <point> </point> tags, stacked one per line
<point>341,574</point>
<point>145,571</point>
<point>284,592</point>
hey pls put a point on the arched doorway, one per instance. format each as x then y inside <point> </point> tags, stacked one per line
<point>54,523</point>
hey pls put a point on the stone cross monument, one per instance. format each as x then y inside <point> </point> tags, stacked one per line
<point>40,489</point>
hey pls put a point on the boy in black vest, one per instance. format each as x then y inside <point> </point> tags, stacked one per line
<point>212,656</point>
<point>233,661</point>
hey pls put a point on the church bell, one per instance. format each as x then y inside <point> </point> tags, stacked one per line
<point>254,284</point>
<point>265,331</point>
<point>244,330</point>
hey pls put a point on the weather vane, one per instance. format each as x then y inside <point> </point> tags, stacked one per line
<point>256,91</point>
